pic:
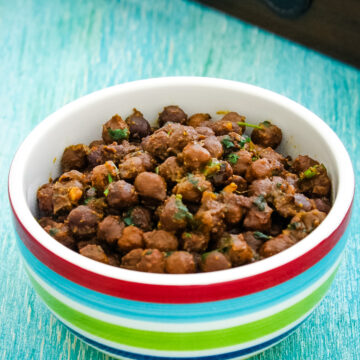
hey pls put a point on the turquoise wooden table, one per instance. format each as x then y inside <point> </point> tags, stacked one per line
<point>55,51</point>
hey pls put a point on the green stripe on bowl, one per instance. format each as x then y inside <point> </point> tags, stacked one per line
<point>184,341</point>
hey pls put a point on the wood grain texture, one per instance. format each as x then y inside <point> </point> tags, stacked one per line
<point>55,51</point>
<point>330,26</point>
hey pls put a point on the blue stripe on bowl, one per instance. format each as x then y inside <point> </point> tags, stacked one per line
<point>182,313</point>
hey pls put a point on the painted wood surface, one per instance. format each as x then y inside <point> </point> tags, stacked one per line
<point>52,52</point>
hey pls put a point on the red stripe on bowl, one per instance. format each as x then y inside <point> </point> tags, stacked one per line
<point>180,294</point>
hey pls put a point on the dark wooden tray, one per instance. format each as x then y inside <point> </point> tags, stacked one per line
<point>329,26</point>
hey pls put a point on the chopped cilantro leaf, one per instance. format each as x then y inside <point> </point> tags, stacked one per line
<point>260,202</point>
<point>212,167</point>
<point>192,180</point>
<point>310,172</point>
<point>128,221</point>
<point>233,158</point>
<point>294,226</point>
<point>266,123</point>
<point>106,192</point>
<point>195,182</point>
<point>157,170</point>
<point>205,255</point>
<point>261,236</point>
<point>110,179</point>
<point>227,143</point>
<point>118,134</point>
<point>182,211</point>
<point>225,249</point>
<point>242,142</point>
<point>187,235</point>
<point>53,231</point>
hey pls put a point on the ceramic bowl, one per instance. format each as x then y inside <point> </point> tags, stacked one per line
<point>233,313</point>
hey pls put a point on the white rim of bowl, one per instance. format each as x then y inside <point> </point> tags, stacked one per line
<point>340,207</point>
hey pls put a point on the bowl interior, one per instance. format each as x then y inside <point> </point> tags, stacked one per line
<point>39,157</point>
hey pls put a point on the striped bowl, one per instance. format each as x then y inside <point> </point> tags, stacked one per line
<point>225,314</point>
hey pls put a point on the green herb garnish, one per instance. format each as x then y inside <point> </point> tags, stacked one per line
<point>182,211</point>
<point>261,236</point>
<point>212,167</point>
<point>266,123</point>
<point>294,226</point>
<point>53,231</point>
<point>260,202</point>
<point>225,249</point>
<point>106,192</point>
<point>195,182</point>
<point>118,134</point>
<point>128,221</point>
<point>242,142</point>
<point>254,158</point>
<point>227,143</point>
<point>310,172</point>
<point>249,125</point>
<point>149,252</point>
<point>110,179</point>
<point>157,170</point>
<point>278,185</point>
<point>205,255</point>
<point>233,158</point>
<point>192,180</point>
<point>187,235</point>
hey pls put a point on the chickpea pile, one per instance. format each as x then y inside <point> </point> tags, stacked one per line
<point>193,195</point>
